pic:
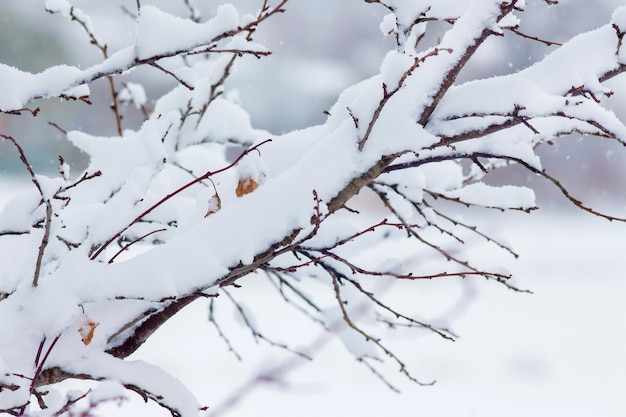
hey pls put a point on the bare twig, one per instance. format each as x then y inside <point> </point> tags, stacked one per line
<point>370,295</point>
<point>220,332</point>
<point>264,13</point>
<point>346,317</point>
<point>282,282</point>
<point>139,239</point>
<point>256,333</point>
<point>46,201</point>
<point>474,229</point>
<point>103,49</point>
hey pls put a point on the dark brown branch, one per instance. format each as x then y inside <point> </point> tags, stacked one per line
<point>85,177</point>
<point>359,182</point>
<point>516,119</point>
<point>193,12</point>
<point>142,332</point>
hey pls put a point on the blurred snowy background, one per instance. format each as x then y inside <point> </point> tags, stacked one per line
<point>319,49</point>
<point>559,352</point>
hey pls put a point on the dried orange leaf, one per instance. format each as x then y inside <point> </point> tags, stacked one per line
<point>87,329</point>
<point>215,204</point>
<point>246,186</point>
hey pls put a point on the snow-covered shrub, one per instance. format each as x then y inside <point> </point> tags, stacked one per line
<point>196,198</point>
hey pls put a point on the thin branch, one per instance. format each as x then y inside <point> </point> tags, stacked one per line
<point>557,183</point>
<point>284,283</point>
<point>473,229</point>
<point>388,94</point>
<point>451,75</point>
<point>256,333</point>
<point>86,177</point>
<point>238,52</point>
<point>33,113</point>
<point>174,193</point>
<point>379,303</point>
<point>346,317</point>
<point>214,92</point>
<point>40,363</point>
<point>59,128</point>
<point>152,322</point>
<point>410,276</point>
<point>44,243</point>
<point>170,73</point>
<point>139,239</point>
<point>534,38</point>
<point>46,235</point>
<point>383,197</point>
<point>103,49</point>
<point>194,14</point>
<point>101,71</point>
<point>221,333</point>
<point>501,278</point>
<point>541,172</point>
<point>459,200</point>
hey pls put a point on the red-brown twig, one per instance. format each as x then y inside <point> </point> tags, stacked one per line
<point>125,247</point>
<point>40,363</point>
<point>203,177</point>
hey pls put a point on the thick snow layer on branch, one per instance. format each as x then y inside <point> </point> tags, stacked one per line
<point>152,44</point>
<point>24,85</point>
<point>509,196</point>
<point>59,6</point>
<point>619,18</point>
<point>160,33</point>
<point>147,378</point>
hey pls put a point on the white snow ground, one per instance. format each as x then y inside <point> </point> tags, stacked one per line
<point>558,352</point>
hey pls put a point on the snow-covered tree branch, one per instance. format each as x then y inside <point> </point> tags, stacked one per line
<point>196,198</point>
